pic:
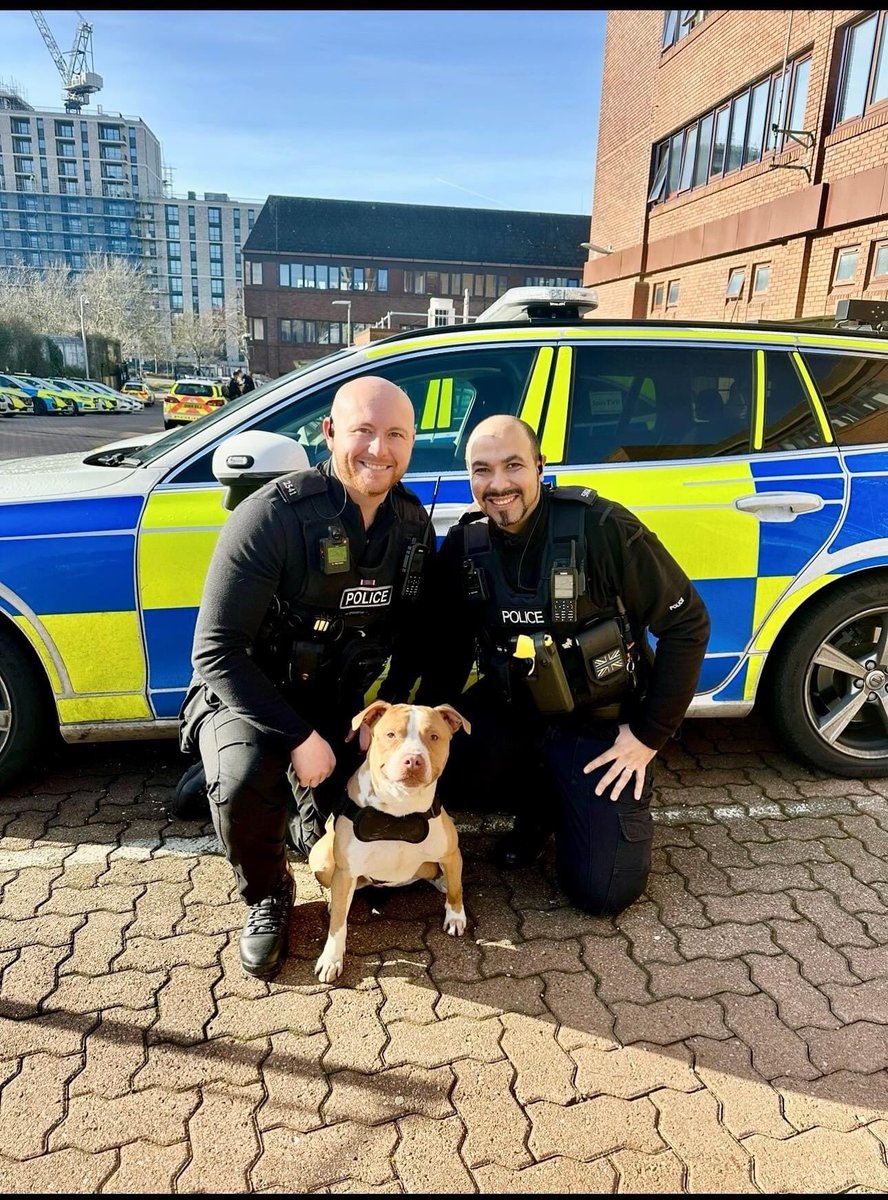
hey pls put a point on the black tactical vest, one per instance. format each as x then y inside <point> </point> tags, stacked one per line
<point>353,595</point>
<point>508,612</point>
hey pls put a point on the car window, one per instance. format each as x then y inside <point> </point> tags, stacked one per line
<point>450,392</point>
<point>632,403</point>
<point>789,420</point>
<point>854,389</point>
<point>194,389</point>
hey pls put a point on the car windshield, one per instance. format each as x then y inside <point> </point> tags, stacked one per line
<point>146,454</point>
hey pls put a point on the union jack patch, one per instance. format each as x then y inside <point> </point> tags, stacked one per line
<point>606,664</point>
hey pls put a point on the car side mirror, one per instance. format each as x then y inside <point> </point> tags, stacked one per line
<point>248,460</point>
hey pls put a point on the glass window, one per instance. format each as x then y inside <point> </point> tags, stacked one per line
<point>735,283</point>
<point>789,422</point>
<point>758,111</point>
<point>256,328</point>
<point>720,143</point>
<point>854,390</point>
<point>661,162</point>
<point>704,151</point>
<point>779,106</point>
<point>880,83</point>
<point>687,166</point>
<point>450,392</point>
<point>860,41</point>
<point>256,273</point>
<point>630,404</point>
<point>761,278</point>
<point>880,261</point>
<point>672,294</point>
<point>846,265</point>
<point>737,136</point>
<point>675,162</point>
<point>799,94</point>
<point>659,295</point>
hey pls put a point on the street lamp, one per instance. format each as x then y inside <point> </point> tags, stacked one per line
<point>348,305</point>
<point>83,300</point>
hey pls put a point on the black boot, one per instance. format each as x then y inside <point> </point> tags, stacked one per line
<point>263,943</point>
<point>523,845</point>
<point>190,801</point>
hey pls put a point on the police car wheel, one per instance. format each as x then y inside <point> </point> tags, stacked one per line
<point>24,728</point>
<point>830,682</point>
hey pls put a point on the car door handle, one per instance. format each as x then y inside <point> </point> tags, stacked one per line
<point>779,506</point>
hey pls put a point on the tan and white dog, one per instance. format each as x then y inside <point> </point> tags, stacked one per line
<point>393,830</point>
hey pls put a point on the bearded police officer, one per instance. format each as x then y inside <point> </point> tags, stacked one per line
<point>553,594</point>
<point>312,584</point>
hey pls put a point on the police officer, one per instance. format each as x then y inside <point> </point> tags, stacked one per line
<point>311,585</point>
<point>552,595</point>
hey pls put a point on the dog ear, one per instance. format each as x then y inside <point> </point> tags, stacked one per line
<point>453,718</point>
<point>370,714</point>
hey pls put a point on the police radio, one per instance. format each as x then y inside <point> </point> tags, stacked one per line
<point>565,587</point>
<point>412,570</point>
<point>334,551</point>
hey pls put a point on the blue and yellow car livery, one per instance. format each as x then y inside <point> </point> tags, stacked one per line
<point>102,558</point>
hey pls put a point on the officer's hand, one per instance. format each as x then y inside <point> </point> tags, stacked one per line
<point>628,758</point>
<point>313,761</point>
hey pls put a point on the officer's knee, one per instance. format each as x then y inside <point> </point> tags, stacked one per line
<point>603,898</point>
<point>250,782</point>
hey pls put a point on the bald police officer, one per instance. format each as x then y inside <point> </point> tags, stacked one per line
<point>552,595</point>
<point>310,588</point>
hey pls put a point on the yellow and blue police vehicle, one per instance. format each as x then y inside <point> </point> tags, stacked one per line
<point>757,453</point>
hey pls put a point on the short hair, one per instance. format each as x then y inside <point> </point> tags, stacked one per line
<point>532,438</point>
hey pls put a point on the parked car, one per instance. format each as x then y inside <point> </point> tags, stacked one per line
<point>8,407</point>
<point>108,398</point>
<point>21,393</point>
<point>83,399</point>
<point>189,399</point>
<point>48,398</point>
<point>139,389</point>
<point>757,453</point>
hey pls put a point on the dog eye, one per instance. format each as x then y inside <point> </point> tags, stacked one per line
<point>434,737</point>
<point>390,734</point>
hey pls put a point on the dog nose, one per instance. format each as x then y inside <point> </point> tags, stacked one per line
<point>412,762</point>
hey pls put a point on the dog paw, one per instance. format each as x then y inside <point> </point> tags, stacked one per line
<point>454,921</point>
<point>328,970</point>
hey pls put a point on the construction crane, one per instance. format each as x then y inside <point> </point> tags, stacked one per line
<point>80,81</point>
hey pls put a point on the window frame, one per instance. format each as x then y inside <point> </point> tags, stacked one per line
<point>670,302</point>
<point>841,251</point>
<point>757,270</point>
<point>877,247</point>
<point>878,50</point>
<point>737,293</point>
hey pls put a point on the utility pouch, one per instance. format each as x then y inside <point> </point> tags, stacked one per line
<point>545,678</point>
<point>305,661</point>
<point>610,670</point>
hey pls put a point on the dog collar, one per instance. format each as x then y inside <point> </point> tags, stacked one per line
<point>371,825</point>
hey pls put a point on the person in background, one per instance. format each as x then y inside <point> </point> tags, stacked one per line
<point>247,383</point>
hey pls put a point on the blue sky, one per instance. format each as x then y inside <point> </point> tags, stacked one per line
<point>489,109</point>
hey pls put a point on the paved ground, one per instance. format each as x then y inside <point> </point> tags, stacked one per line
<point>727,1034</point>
<point>25,436</point>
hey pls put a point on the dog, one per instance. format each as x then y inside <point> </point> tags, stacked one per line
<point>392,830</point>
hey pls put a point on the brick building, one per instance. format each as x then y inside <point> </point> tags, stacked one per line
<point>707,211</point>
<point>319,271</point>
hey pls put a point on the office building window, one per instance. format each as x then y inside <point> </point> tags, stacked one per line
<point>256,328</point>
<point>67,170</point>
<point>21,125</point>
<point>172,213</point>
<point>69,187</point>
<point>734,135</point>
<point>110,133</point>
<point>543,281</point>
<point>659,297</point>
<point>672,294</point>
<point>845,266</point>
<point>761,278</point>
<point>66,150</point>
<point>214,216</point>
<point>863,82</point>
<point>736,280</point>
<point>215,233</point>
<point>679,22</point>
<point>21,145</point>
<point>254,270</point>
<point>880,262</point>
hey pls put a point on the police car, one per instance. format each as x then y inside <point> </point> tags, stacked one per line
<point>757,453</point>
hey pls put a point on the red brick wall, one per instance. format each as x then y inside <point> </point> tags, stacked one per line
<point>648,95</point>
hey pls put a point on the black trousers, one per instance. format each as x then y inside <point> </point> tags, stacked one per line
<point>515,763</point>
<point>252,800</point>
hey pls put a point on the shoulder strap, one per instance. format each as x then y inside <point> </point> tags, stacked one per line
<point>299,484</point>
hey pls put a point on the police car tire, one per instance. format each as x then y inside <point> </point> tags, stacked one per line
<point>21,686</point>
<point>824,617</point>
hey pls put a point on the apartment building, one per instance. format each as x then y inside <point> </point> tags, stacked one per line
<point>72,184</point>
<point>319,272</point>
<point>742,164</point>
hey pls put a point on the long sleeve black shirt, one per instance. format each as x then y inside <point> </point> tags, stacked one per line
<point>656,592</point>
<point>261,554</point>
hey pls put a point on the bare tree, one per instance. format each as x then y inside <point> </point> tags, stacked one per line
<point>199,337</point>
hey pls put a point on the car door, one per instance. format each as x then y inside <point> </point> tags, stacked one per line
<point>721,449</point>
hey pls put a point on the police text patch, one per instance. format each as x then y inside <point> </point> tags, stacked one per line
<point>366,597</point>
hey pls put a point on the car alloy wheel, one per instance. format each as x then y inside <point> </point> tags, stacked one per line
<point>831,682</point>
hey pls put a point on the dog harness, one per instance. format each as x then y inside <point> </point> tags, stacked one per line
<point>371,825</point>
